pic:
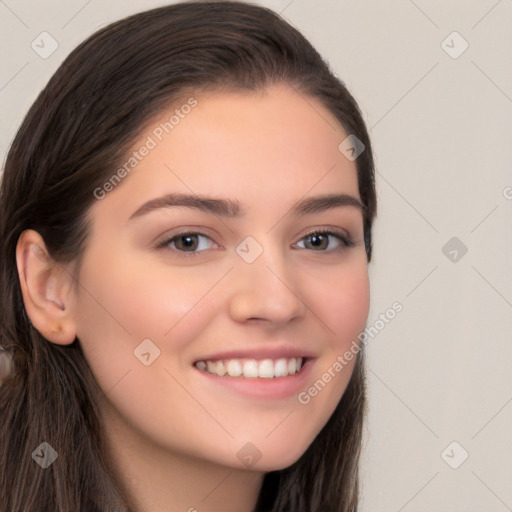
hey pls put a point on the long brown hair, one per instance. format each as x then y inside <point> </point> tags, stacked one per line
<point>75,134</point>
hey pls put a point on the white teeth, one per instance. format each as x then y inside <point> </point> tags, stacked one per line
<point>281,368</point>
<point>266,369</point>
<point>221,369</point>
<point>234,368</point>
<point>251,368</point>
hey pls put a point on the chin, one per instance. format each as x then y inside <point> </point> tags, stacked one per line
<point>278,462</point>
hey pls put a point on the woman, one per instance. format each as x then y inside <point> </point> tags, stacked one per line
<point>185,227</point>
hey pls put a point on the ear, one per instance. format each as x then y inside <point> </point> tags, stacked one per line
<point>47,288</point>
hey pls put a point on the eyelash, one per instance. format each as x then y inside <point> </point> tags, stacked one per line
<point>344,239</point>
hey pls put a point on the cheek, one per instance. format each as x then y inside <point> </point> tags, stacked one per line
<point>343,305</point>
<point>123,303</point>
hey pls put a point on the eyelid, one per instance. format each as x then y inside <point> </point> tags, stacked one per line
<point>335,230</point>
<point>185,230</point>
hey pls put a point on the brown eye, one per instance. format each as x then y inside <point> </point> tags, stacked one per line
<point>186,242</point>
<point>319,241</point>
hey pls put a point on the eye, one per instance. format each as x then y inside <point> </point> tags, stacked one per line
<point>187,242</point>
<point>191,243</point>
<point>320,240</point>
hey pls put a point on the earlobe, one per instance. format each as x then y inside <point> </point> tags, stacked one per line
<point>46,288</point>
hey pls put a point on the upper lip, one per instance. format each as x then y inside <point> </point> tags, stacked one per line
<point>276,352</point>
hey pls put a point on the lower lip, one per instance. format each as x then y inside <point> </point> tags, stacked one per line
<point>270,389</point>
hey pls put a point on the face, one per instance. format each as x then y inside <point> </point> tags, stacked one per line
<point>252,284</point>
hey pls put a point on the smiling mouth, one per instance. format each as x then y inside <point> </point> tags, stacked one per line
<point>253,368</point>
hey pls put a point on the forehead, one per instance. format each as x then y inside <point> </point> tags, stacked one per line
<point>270,129</point>
<point>275,145</point>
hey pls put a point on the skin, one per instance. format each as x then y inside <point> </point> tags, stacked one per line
<point>176,437</point>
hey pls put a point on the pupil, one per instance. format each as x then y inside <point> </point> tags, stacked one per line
<point>317,239</point>
<point>189,241</point>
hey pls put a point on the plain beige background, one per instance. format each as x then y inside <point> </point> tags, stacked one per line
<point>440,118</point>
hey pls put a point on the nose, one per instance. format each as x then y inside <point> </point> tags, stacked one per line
<point>265,290</point>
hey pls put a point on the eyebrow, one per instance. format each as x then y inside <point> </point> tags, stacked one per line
<point>233,209</point>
